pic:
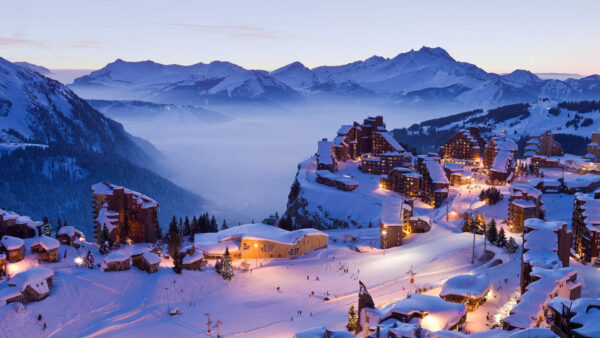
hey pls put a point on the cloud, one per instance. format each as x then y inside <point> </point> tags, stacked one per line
<point>19,39</point>
<point>235,31</point>
<point>15,40</point>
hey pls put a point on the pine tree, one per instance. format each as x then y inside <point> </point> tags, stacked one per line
<point>501,241</point>
<point>226,269</point>
<point>276,215</point>
<point>174,243</point>
<point>511,245</point>
<point>492,232</point>
<point>187,228</point>
<point>466,227</point>
<point>352,319</point>
<point>214,227</point>
<point>224,226</point>
<point>178,262</point>
<point>159,234</point>
<point>105,236</point>
<point>89,259</point>
<point>46,229</point>
<point>173,225</point>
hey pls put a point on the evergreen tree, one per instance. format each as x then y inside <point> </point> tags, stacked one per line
<point>105,235</point>
<point>467,226</point>
<point>276,215</point>
<point>492,231</point>
<point>501,241</point>
<point>511,245</point>
<point>174,243</point>
<point>159,234</point>
<point>89,260</point>
<point>352,319</point>
<point>226,269</point>
<point>224,226</point>
<point>187,227</point>
<point>214,227</point>
<point>46,228</point>
<point>178,262</point>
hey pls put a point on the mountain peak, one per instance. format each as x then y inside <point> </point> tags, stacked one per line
<point>521,77</point>
<point>437,51</point>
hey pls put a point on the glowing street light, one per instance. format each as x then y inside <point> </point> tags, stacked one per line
<point>256,247</point>
<point>78,260</point>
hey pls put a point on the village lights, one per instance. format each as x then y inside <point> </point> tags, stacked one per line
<point>78,260</point>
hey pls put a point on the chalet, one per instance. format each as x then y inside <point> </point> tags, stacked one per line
<point>419,224</point>
<point>542,144</point>
<point>586,227</point>
<point>391,227</point>
<point>593,148</point>
<point>545,245</point>
<point>457,174</point>
<point>346,142</point>
<point>541,161</point>
<point>251,241</point>
<point>525,202</point>
<point>326,159</point>
<point>33,284</point>
<point>584,183</point>
<point>340,182</point>
<point>13,247</point>
<point>193,260</point>
<point>575,318</point>
<point>469,290</point>
<point>68,235</point>
<point>121,209</point>
<point>415,313</point>
<point>10,295</point>
<point>464,147</point>
<point>533,303</point>
<point>145,261</point>
<point>116,261</point>
<point>370,137</point>
<point>547,185</point>
<point>434,183</point>
<point>402,180</point>
<point>15,225</point>
<point>384,142</point>
<point>47,248</point>
<point>500,159</point>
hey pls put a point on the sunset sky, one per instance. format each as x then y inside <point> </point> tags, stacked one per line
<point>541,36</point>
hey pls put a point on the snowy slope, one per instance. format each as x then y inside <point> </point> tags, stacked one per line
<point>35,109</point>
<point>296,75</point>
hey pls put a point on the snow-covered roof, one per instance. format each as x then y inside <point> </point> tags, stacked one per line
<point>8,293</point>
<point>70,231</point>
<point>441,315</point>
<point>196,256</point>
<point>587,313</point>
<point>505,143</point>
<point>335,177</point>
<point>519,189</point>
<point>12,243</point>
<point>48,243</point>
<point>151,257</point>
<point>104,188</point>
<point>107,218</point>
<point>6,215</point>
<point>389,138</point>
<point>391,212</point>
<point>471,286</point>
<point>338,140</point>
<point>26,220</point>
<point>582,181</point>
<point>502,161</point>
<point>529,154</point>
<point>319,332</point>
<point>523,203</point>
<point>324,152</point>
<point>256,231</point>
<point>116,256</point>
<point>34,277</point>
<point>344,129</point>
<point>531,304</point>
<point>436,172</point>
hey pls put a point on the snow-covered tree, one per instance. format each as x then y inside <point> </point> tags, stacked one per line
<point>352,319</point>
<point>501,241</point>
<point>46,228</point>
<point>178,262</point>
<point>511,245</point>
<point>187,228</point>
<point>174,243</point>
<point>89,260</point>
<point>226,270</point>
<point>467,222</point>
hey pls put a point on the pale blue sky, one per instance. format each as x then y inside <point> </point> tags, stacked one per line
<point>499,36</point>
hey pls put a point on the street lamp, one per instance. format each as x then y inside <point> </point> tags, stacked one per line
<point>384,240</point>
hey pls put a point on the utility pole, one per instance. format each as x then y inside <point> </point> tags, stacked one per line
<point>473,255</point>
<point>219,323</point>
<point>447,207</point>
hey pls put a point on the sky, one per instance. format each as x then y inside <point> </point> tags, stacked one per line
<point>540,36</point>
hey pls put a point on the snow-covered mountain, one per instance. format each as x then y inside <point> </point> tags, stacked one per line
<point>36,68</point>
<point>54,146</point>
<point>199,83</point>
<point>424,76</point>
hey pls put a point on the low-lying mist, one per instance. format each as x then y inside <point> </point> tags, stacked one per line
<point>244,167</point>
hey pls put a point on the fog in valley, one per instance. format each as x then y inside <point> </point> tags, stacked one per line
<point>244,164</point>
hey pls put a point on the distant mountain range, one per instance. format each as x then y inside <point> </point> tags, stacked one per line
<point>54,145</point>
<point>425,76</point>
